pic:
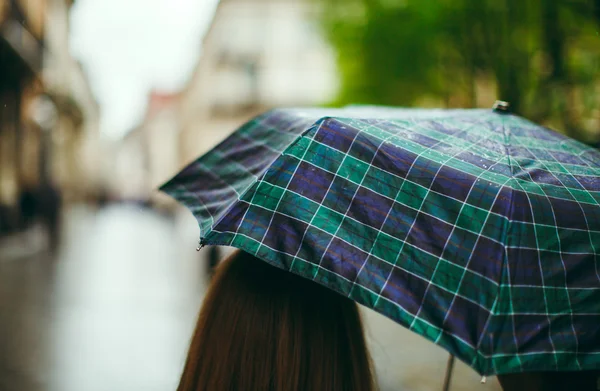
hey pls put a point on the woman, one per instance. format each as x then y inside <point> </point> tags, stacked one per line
<point>262,328</point>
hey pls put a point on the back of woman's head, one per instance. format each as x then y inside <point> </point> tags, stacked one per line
<point>262,328</point>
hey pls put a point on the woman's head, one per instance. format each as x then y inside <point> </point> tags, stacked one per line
<point>261,328</point>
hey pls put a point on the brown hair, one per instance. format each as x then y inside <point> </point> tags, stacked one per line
<point>262,328</point>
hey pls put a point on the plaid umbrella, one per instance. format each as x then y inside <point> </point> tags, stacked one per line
<point>476,229</point>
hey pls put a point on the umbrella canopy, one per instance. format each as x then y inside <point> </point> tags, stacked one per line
<point>476,229</point>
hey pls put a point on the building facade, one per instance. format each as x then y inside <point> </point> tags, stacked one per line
<point>256,55</point>
<point>149,154</point>
<point>21,50</point>
<point>46,111</point>
<point>75,153</point>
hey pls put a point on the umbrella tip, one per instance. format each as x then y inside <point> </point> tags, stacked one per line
<point>483,380</point>
<point>501,106</point>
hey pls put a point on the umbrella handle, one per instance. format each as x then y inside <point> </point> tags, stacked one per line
<point>448,377</point>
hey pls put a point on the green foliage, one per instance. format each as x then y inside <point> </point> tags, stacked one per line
<point>543,56</point>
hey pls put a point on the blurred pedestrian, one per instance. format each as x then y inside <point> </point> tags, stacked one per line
<point>50,205</point>
<point>103,198</point>
<point>213,259</point>
<point>263,328</point>
<point>28,206</point>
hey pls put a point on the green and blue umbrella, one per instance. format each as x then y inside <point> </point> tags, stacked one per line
<point>476,229</point>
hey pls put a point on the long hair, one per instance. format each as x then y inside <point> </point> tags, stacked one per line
<point>262,328</point>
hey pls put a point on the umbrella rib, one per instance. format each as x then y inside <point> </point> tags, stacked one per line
<point>310,223</point>
<point>422,202</point>
<point>556,251</point>
<point>317,125</point>
<point>507,227</point>
<point>542,280</point>
<point>300,160</point>
<point>294,124</point>
<point>358,132</point>
<point>370,253</point>
<point>466,268</point>
<point>485,326</point>
<point>563,262</point>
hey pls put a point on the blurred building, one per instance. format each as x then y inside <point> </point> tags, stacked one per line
<point>20,60</point>
<point>47,111</point>
<point>75,140</point>
<point>149,154</point>
<point>256,55</point>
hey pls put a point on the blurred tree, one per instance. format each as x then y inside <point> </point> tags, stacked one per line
<point>543,56</point>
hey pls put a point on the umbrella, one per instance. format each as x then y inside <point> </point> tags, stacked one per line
<point>476,229</point>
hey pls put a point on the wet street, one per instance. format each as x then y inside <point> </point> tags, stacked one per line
<point>114,310</point>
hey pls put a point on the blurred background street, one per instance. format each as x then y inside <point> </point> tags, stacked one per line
<point>113,311</point>
<point>101,101</point>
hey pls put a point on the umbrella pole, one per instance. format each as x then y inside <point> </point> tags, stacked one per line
<point>448,377</point>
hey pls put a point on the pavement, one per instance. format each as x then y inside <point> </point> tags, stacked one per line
<point>114,310</point>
